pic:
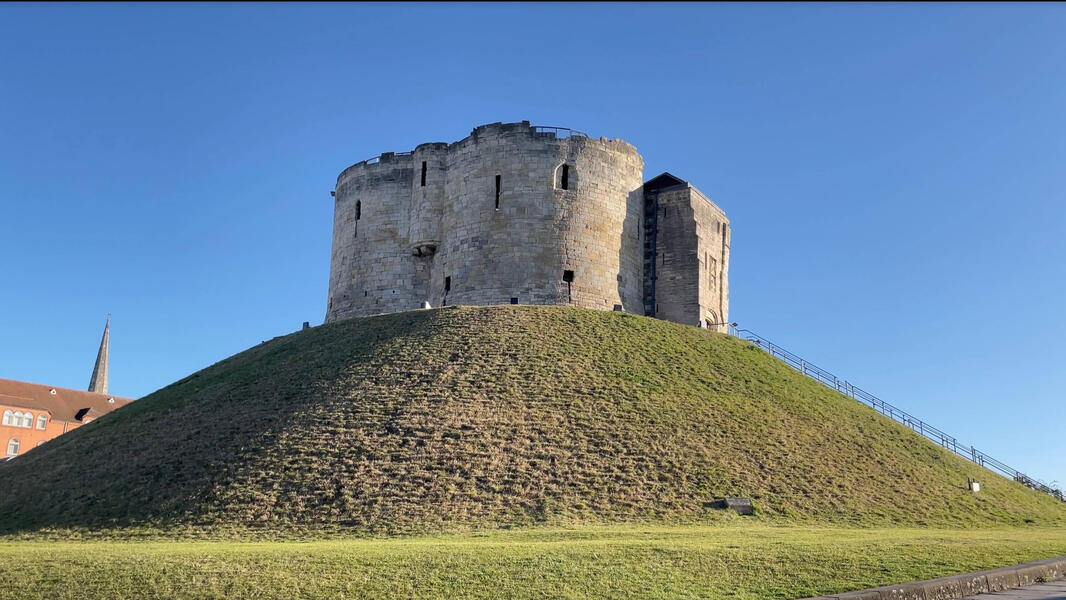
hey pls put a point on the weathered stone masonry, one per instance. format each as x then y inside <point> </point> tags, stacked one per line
<point>517,214</point>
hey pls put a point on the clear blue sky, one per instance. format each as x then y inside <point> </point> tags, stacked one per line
<point>894,175</point>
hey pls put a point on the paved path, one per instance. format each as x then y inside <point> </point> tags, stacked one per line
<point>1053,590</point>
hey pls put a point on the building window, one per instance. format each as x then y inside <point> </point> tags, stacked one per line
<point>358,214</point>
<point>447,284</point>
<point>42,421</point>
<point>423,173</point>
<point>497,192</point>
<point>568,276</point>
<point>563,182</point>
<point>18,418</point>
<point>13,447</point>
<point>39,444</point>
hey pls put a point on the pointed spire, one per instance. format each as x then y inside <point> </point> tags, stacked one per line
<point>98,383</point>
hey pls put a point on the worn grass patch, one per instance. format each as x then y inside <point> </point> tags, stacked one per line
<point>726,562</point>
<point>463,419</point>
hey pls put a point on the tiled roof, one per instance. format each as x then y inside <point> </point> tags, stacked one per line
<point>64,404</point>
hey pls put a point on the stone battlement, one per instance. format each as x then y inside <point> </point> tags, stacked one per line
<point>494,129</point>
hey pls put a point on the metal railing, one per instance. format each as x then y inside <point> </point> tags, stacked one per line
<point>940,437</point>
<point>375,160</point>
<point>560,132</point>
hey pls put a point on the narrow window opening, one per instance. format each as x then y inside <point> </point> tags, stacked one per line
<point>497,192</point>
<point>514,300</point>
<point>365,293</point>
<point>568,277</point>
<point>358,214</point>
<point>447,284</point>
<point>423,173</point>
<point>565,183</point>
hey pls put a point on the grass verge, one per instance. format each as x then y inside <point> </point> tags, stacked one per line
<point>715,562</point>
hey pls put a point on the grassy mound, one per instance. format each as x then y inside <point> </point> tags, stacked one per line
<point>492,417</point>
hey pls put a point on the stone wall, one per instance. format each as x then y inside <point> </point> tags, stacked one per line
<point>690,282</point>
<point>712,249</point>
<point>372,270</point>
<point>454,240</point>
<point>514,213</point>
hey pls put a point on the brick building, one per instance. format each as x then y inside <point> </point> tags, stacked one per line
<point>33,413</point>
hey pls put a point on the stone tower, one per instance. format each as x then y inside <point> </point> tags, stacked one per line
<point>98,382</point>
<point>521,214</point>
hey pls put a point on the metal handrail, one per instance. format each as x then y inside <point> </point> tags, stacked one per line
<point>932,433</point>
<point>556,130</point>
<point>376,159</point>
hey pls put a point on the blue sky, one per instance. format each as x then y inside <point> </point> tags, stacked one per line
<point>893,173</point>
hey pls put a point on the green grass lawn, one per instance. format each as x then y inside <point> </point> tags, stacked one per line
<point>449,420</point>
<point>727,561</point>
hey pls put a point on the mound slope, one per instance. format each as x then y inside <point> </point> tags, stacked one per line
<point>496,416</point>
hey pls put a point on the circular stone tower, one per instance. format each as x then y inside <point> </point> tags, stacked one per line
<point>513,213</point>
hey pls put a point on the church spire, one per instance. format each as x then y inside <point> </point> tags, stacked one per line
<point>98,383</point>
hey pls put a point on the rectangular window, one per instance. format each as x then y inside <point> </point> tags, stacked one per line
<point>423,173</point>
<point>514,300</point>
<point>568,276</point>
<point>447,284</point>
<point>565,183</point>
<point>497,192</point>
